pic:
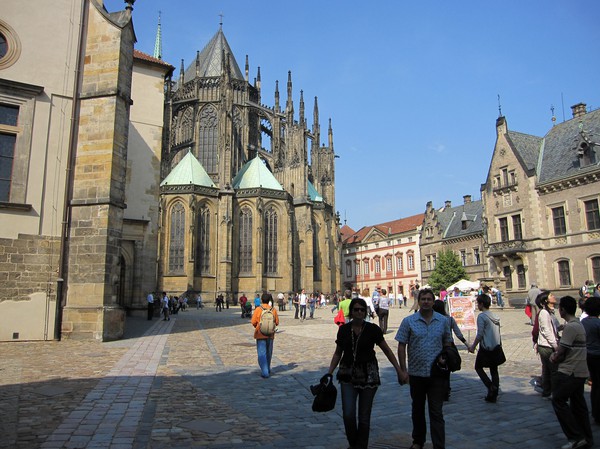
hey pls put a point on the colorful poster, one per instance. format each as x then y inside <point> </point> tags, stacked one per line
<point>463,311</point>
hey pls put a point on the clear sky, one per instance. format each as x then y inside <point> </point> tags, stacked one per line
<point>411,86</point>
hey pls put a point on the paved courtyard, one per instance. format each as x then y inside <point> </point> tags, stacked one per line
<point>194,382</point>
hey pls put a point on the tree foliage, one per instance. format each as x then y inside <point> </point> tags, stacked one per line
<point>448,270</point>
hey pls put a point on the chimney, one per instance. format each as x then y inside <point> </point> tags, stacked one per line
<point>578,109</point>
<point>448,204</point>
<point>467,198</point>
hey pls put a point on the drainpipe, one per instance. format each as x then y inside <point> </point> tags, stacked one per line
<point>63,264</point>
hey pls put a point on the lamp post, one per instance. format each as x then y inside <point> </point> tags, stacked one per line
<point>394,286</point>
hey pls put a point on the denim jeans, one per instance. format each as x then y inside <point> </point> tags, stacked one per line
<point>433,390</point>
<point>302,312</point>
<point>570,408</point>
<point>312,310</point>
<point>357,433</point>
<point>264,348</point>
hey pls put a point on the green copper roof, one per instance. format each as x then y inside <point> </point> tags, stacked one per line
<point>188,171</point>
<point>255,174</point>
<point>313,194</point>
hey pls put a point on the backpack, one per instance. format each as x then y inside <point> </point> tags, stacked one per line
<point>267,322</point>
<point>535,332</point>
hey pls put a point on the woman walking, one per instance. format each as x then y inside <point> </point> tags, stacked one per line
<point>488,337</point>
<point>547,341</point>
<point>384,310</point>
<point>358,373</point>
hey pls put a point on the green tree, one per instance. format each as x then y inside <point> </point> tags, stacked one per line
<point>448,270</point>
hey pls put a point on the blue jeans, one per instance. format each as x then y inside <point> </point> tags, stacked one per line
<point>302,312</point>
<point>433,390</point>
<point>570,407</point>
<point>312,310</point>
<point>264,348</point>
<point>357,434</point>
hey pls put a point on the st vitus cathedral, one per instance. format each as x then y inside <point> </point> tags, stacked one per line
<point>243,205</point>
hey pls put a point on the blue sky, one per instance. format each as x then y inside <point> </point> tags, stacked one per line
<point>411,87</point>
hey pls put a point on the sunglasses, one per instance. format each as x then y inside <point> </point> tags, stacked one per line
<point>359,309</point>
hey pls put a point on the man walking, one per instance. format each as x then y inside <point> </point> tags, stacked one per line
<point>264,343</point>
<point>150,299</point>
<point>425,333</point>
<point>569,379</point>
<point>303,301</point>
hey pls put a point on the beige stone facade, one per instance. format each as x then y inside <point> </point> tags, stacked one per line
<point>384,255</point>
<point>458,229</point>
<point>541,206</point>
<point>86,227</point>
<point>76,259</point>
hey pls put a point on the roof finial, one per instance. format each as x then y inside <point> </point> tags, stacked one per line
<point>129,6</point>
<point>499,107</point>
<point>553,116</point>
<point>158,41</point>
<point>221,20</point>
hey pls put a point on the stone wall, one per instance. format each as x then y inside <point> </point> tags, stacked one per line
<point>28,274</point>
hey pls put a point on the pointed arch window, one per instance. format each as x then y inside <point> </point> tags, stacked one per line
<point>316,252</point>
<point>270,246</point>
<point>245,240</point>
<point>185,127</point>
<point>203,241</point>
<point>177,238</point>
<point>237,153</point>
<point>208,139</point>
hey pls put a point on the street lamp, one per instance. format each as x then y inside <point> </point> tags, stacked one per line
<point>394,286</point>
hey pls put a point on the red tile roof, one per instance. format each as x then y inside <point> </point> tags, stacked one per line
<point>391,227</point>
<point>146,57</point>
<point>346,231</point>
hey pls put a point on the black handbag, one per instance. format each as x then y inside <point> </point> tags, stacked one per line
<point>493,357</point>
<point>325,394</point>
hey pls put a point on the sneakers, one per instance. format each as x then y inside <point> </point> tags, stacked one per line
<point>575,444</point>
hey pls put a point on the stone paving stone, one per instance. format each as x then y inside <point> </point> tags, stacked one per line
<point>202,366</point>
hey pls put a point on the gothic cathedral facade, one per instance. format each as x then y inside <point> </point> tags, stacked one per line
<point>245,206</point>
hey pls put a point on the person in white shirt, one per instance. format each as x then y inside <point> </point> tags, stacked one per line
<point>303,302</point>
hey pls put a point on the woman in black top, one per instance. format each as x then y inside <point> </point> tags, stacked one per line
<point>359,373</point>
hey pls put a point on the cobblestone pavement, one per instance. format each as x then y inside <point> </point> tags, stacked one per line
<point>194,382</point>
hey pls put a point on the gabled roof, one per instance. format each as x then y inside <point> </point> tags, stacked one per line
<point>450,219</point>
<point>313,194</point>
<point>389,227</point>
<point>527,148</point>
<point>559,157</point>
<point>255,174</point>
<point>211,60</point>
<point>188,171</point>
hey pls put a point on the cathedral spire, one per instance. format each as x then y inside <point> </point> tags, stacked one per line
<point>181,72</point>
<point>197,63</point>
<point>258,80</point>
<point>301,107</point>
<point>277,108</point>
<point>315,129</point>
<point>158,41</point>
<point>330,132</point>
<point>289,108</point>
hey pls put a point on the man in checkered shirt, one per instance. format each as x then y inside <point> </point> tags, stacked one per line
<point>425,333</point>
